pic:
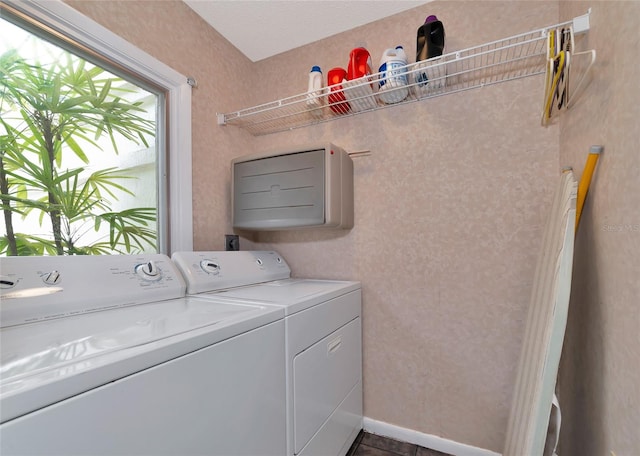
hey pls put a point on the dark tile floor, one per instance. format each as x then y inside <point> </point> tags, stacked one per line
<point>374,445</point>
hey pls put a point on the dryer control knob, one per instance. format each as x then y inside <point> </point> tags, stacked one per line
<point>51,278</point>
<point>148,271</point>
<point>210,267</point>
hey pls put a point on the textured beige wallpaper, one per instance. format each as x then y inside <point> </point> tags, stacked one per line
<point>449,210</point>
<point>600,370</point>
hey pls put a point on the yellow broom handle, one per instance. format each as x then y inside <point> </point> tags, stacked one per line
<point>585,179</point>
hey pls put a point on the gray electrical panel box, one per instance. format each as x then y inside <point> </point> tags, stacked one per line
<point>308,187</point>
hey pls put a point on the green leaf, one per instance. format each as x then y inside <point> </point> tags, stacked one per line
<point>105,91</point>
<point>69,103</point>
<point>73,145</point>
<point>55,94</point>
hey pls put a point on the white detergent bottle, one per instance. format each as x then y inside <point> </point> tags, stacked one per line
<point>393,78</point>
<point>314,92</point>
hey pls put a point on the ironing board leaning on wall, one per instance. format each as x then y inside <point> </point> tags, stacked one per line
<point>534,405</point>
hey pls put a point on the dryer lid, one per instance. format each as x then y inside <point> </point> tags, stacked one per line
<point>292,294</point>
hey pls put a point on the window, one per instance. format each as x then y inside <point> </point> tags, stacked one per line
<point>156,97</point>
<point>78,168</point>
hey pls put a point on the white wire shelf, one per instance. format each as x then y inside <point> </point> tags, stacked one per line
<point>504,60</point>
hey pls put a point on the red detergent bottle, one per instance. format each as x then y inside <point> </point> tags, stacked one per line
<point>360,88</point>
<point>337,100</point>
<point>359,64</point>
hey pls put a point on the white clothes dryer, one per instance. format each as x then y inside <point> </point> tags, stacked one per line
<point>323,336</point>
<point>106,355</point>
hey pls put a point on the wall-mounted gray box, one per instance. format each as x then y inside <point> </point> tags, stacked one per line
<point>307,187</point>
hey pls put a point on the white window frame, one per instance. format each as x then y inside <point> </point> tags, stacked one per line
<point>71,23</point>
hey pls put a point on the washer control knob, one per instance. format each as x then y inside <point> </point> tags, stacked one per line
<point>148,271</point>
<point>210,267</point>
<point>7,282</point>
<point>51,278</point>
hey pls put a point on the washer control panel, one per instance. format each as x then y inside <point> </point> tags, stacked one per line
<point>39,288</point>
<point>213,271</point>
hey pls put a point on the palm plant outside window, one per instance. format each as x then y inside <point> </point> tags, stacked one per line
<point>78,155</point>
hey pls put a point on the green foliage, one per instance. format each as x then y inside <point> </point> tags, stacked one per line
<point>48,112</point>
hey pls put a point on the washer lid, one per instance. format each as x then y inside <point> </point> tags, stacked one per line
<point>41,362</point>
<point>292,294</point>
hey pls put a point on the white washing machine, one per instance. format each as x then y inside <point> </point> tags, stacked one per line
<point>105,355</point>
<point>323,340</point>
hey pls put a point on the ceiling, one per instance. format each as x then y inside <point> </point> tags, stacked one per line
<point>263,28</point>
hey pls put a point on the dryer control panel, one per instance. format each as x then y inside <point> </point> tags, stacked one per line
<point>212,271</point>
<point>40,288</point>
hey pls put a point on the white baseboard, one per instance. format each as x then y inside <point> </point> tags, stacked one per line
<point>425,440</point>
